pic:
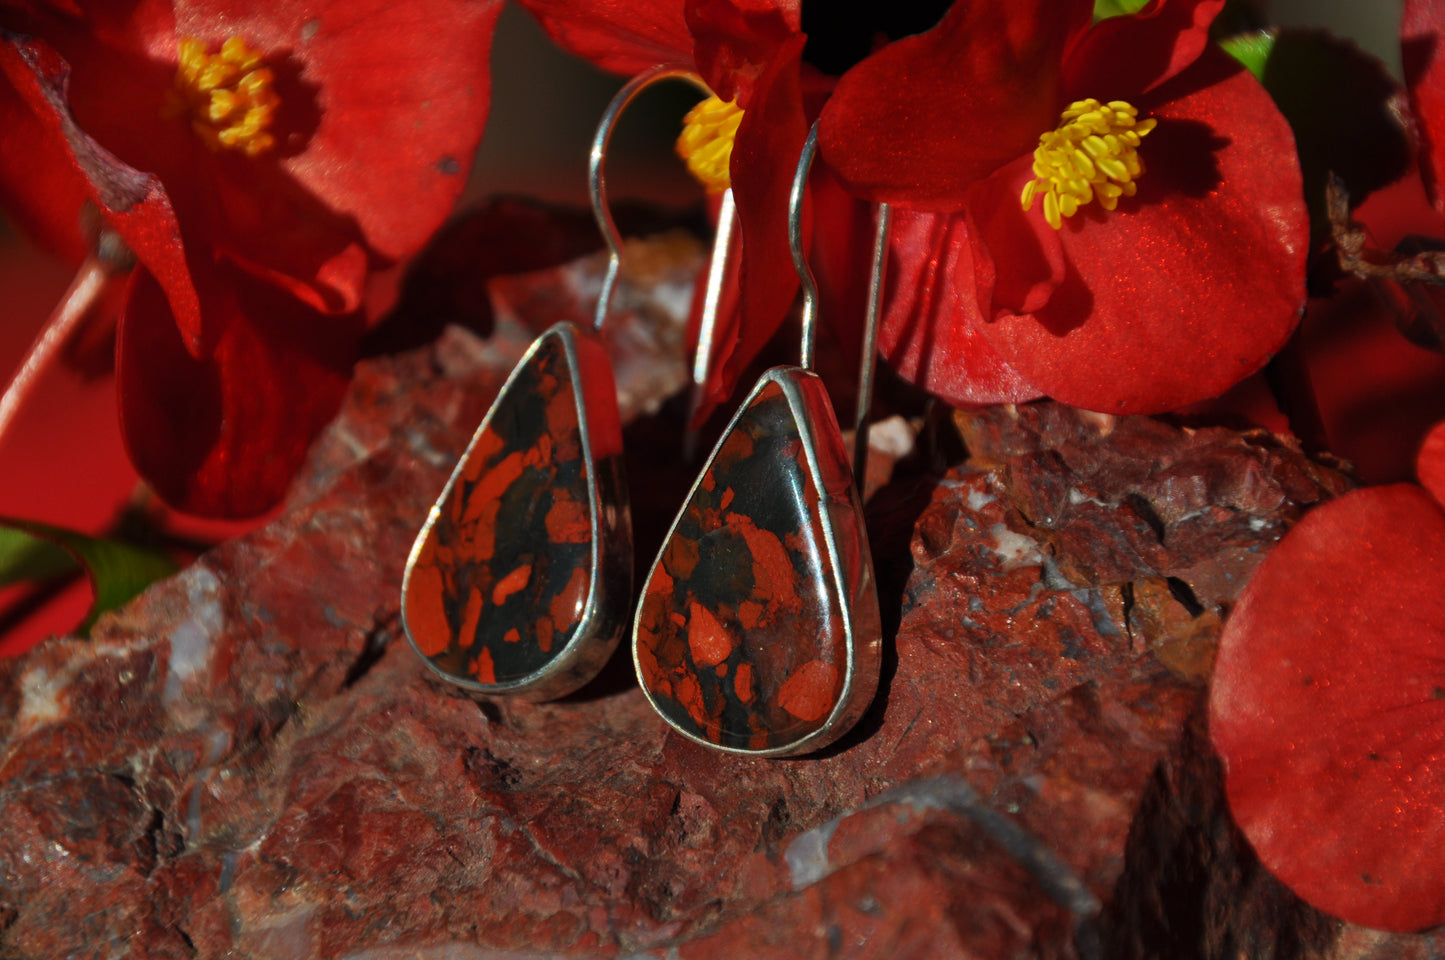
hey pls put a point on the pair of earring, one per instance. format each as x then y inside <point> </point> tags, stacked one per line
<point>757,631</point>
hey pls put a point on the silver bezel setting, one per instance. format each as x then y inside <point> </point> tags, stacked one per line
<point>599,629</point>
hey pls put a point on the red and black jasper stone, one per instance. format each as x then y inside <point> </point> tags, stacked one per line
<point>740,637</point>
<point>502,578</point>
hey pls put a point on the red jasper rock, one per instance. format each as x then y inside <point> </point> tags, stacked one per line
<point>251,761</point>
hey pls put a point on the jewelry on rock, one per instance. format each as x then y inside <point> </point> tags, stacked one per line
<point>520,581</point>
<point>758,629</point>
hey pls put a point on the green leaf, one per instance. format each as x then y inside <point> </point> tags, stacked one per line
<point>24,556</point>
<point>1104,9</point>
<point>117,571</point>
<point>1251,49</point>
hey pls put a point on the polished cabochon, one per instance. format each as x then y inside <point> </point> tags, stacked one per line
<point>520,580</point>
<point>758,628</point>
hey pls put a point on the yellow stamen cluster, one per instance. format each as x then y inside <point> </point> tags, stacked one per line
<point>706,143</point>
<point>227,95</point>
<point>1092,155</point>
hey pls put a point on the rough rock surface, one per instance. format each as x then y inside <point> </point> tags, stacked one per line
<point>250,760</point>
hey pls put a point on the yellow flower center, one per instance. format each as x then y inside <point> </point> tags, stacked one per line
<point>1092,155</point>
<point>226,95</point>
<point>706,143</point>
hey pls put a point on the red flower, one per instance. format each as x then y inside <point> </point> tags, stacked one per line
<point>1328,704</point>
<point>259,160</point>
<point>746,50</point>
<point>1136,303</point>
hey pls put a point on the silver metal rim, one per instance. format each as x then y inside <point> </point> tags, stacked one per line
<point>582,644</point>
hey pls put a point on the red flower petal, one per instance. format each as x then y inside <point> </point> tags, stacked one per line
<point>134,203</point>
<point>840,254</point>
<point>402,91</point>
<point>623,37</point>
<point>1422,32</point>
<point>1123,57</point>
<point>929,331</point>
<point>223,436</point>
<point>41,189</point>
<point>1430,466</point>
<point>921,120</point>
<point>765,153</point>
<point>1033,263</point>
<point>1185,289</point>
<point>736,40</point>
<point>1328,708</point>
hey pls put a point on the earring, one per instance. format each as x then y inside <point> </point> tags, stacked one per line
<point>521,578</point>
<point>758,629</point>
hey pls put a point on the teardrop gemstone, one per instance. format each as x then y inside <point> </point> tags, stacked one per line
<point>520,579</point>
<point>758,628</point>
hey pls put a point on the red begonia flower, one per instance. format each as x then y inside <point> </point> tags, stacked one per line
<point>1328,704</point>
<point>1180,292</point>
<point>375,111</point>
<point>1422,30</point>
<point>748,50</point>
<point>192,426</point>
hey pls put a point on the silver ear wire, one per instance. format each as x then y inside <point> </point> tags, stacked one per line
<point>722,244</point>
<point>712,296</point>
<point>795,244</point>
<point>876,279</point>
<point>597,181</point>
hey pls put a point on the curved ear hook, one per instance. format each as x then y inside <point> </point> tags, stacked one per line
<point>597,182</point>
<point>795,244</point>
<point>876,279</point>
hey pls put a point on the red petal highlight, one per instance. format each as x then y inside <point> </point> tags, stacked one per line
<point>918,122</point>
<point>1422,30</point>
<point>623,37</point>
<point>1188,287</point>
<point>1124,57</point>
<point>929,330</point>
<point>222,437</point>
<point>1328,708</point>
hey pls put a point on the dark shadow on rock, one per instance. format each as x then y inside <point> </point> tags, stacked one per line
<point>1192,888</point>
<point>892,513</point>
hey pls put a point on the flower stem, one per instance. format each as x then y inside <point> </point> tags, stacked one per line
<point>76,304</point>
